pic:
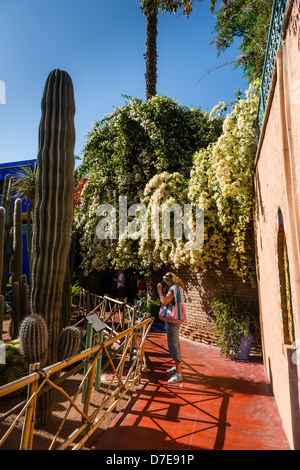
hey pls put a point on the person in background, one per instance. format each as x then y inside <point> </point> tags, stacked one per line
<point>120,280</point>
<point>113,287</point>
<point>141,286</point>
<point>133,288</point>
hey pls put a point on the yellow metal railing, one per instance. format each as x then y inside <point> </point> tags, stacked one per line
<point>120,350</point>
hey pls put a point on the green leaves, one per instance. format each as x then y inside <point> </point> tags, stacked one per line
<point>164,6</point>
<point>145,138</point>
<point>248,20</point>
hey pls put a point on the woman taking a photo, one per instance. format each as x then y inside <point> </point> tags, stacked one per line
<point>172,302</point>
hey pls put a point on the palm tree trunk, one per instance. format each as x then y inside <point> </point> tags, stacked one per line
<point>151,54</point>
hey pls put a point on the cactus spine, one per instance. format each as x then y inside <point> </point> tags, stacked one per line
<point>54,203</point>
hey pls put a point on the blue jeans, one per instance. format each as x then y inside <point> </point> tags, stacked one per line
<point>173,340</point>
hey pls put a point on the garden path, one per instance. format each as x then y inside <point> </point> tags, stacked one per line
<point>221,404</point>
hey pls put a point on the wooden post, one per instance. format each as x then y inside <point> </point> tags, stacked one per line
<point>124,314</point>
<point>28,427</point>
<point>132,346</point>
<point>88,344</point>
<point>104,309</point>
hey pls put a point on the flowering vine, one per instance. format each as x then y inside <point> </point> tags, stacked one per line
<point>137,142</point>
<point>146,151</point>
<point>222,179</point>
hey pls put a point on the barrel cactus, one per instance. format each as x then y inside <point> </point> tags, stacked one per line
<point>10,373</point>
<point>54,204</point>
<point>34,340</point>
<point>69,342</point>
<point>13,369</point>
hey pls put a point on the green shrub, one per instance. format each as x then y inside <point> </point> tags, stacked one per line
<point>233,318</point>
<point>153,308</point>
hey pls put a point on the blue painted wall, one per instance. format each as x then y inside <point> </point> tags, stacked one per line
<point>14,170</point>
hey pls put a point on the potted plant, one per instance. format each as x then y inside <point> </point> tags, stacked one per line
<point>236,325</point>
<point>152,308</point>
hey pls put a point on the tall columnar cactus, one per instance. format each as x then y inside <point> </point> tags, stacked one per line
<point>17,243</point>
<point>17,269</point>
<point>6,189</point>
<point>28,233</point>
<point>2,306</point>
<point>5,237</point>
<point>54,204</point>
<point>7,204</point>
<point>24,297</point>
<point>15,310</point>
<point>2,234</point>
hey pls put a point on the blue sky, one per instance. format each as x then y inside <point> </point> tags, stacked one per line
<point>101,44</point>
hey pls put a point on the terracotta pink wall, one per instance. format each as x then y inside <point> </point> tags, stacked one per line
<point>277,189</point>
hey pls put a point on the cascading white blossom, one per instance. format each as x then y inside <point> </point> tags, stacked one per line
<point>220,181</point>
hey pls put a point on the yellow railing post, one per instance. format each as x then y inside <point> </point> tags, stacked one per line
<point>28,427</point>
<point>99,361</point>
<point>88,344</point>
<point>89,386</point>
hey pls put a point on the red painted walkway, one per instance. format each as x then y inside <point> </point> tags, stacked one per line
<point>222,404</point>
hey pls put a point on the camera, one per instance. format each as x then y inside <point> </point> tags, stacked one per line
<point>163,284</point>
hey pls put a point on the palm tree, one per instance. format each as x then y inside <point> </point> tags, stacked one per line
<point>151,53</point>
<point>24,184</point>
<point>151,8</point>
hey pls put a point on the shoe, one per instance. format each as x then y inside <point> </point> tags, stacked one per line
<point>176,378</point>
<point>171,371</point>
